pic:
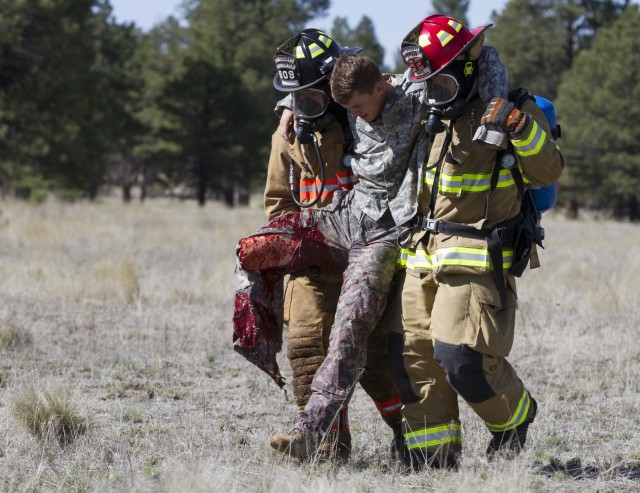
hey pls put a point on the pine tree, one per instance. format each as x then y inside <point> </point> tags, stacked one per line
<point>362,36</point>
<point>601,132</point>
<point>453,8</point>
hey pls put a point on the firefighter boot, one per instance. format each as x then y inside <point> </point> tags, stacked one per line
<point>416,460</point>
<point>510,443</point>
<point>336,444</point>
<point>397,449</point>
<point>297,444</point>
<point>392,416</point>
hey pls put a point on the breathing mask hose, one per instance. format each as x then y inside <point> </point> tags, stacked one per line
<point>292,184</point>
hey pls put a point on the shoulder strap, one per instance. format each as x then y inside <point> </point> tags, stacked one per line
<point>519,96</point>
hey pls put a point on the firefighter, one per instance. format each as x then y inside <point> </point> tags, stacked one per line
<point>459,296</point>
<point>296,180</point>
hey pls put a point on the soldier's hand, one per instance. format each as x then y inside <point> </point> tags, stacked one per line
<point>505,115</point>
<point>286,121</point>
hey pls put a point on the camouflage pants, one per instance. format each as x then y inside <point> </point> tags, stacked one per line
<point>339,238</point>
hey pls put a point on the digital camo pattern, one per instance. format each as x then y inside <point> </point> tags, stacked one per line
<point>493,78</point>
<point>389,153</point>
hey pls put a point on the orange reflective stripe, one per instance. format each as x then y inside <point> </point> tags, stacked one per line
<point>310,187</point>
<point>346,179</point>
<point>389,408</point>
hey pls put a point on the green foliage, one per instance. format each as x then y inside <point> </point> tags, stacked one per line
<point>536,65</point>
<point>597,104</point>
<point>87,102</point>
<point>235,42</point>
<point>538,39</point>
<point>362,36</point>
<point>453,8</point>
<point>207,109</point>
<point>64,90</point>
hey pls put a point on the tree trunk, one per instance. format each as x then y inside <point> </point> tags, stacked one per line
<point>126,193</point>
<point>202,182</point>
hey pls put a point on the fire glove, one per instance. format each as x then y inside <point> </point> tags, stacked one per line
<point>505,115</point>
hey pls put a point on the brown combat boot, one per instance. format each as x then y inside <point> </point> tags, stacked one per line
<point>296,444</point>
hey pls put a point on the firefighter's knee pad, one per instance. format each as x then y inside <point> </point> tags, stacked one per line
<point>305,357</point>
<point>463,367</point>
<point>395,362</point>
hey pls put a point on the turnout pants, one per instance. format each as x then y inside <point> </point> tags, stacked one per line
<point>457,335</point>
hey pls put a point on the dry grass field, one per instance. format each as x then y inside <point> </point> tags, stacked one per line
<point>117,372</point>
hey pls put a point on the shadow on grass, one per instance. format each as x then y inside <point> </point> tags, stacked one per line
<point>574,468</point>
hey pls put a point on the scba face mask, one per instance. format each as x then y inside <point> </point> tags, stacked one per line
<point>442,88</point>
<point>443,98</point>
<point>310,103</point>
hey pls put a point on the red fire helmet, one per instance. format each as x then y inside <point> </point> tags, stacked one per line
<point>436,42</point>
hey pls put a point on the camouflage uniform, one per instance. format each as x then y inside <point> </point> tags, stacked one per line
<point>356,235</point>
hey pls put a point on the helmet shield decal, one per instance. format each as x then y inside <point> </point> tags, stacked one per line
<point>417,61</point>
<point>304,60</point>
<point>288,70</point>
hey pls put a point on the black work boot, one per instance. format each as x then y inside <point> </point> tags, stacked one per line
<point>510,443</point>
<point>397,448</point>
<point>416,460</point>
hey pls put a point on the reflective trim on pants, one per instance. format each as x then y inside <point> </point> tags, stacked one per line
<point>389,408</point>
<point>520,415</point>
<point>434,436</point>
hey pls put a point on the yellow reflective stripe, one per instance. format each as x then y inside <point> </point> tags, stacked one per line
<point>315,50</point>
<point>433,436</point>
<point>415,259</point>
<point>401,259</point>
<point>518,417</point>
<point>532,144</point>
<point>325,39</point>
<point>469,257</point>
<point>455,24</point>
<point>444,37</point>
<point>460,256</point>
<point>424,40</point>
<point>469,182</point>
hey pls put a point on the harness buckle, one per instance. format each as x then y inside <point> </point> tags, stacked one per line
<point>429,224</point>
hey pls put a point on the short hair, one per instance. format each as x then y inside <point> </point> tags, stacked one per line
<point>353,73</point>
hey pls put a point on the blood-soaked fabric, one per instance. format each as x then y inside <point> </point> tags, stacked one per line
<point>339,238</point>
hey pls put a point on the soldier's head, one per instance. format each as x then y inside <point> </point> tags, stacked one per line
<point>357,84</point>
<point>304,63</point>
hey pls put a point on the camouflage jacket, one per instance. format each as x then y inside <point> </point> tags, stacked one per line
<point>389,153</point>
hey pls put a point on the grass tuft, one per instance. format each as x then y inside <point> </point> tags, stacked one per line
<point>50,415</point>
<point>12,335</point>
